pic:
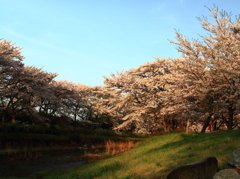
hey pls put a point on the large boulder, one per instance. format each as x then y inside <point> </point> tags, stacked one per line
<point>203,169</point>
<point>227,174</point>
<point>235,158</point>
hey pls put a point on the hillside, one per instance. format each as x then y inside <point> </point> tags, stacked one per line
<point>155,157</point>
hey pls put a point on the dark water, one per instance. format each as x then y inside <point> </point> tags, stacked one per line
<point>54,160</point>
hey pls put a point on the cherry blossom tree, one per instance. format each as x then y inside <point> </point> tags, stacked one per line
<point>104,100</point>
<point>144,91</point>
<point>20,85</point>
<point>25,88</point>
<point>10,63</point>
<point>76,99</point>
<point>35,84</point>
<point>210,68</point>
<point>205,80</point>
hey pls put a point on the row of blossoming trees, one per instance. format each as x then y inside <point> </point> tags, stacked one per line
<point>203,82</point>
<point>29,94</point>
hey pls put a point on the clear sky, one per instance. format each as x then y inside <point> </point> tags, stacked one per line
<point>83,40</point>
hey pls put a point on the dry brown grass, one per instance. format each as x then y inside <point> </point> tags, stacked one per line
<point>87,157</point>
<point>113,148</point>
<point>178,130</point>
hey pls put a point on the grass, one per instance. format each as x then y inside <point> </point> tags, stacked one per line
<point>155,157</point>
<point>113,148</point>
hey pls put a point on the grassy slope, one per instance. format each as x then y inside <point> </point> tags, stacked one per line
<point>155,157</point>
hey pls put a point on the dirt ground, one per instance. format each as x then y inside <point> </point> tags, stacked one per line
<point>25,168</point>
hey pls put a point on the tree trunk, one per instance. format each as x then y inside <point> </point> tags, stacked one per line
<point>206,124</point>
<point>188,123</point>
<point>168,123</point>
<point>230,118</point>
<point>75,117</point>
<point>13,119</point>
<point>3,120</point>
<point>165,127</point>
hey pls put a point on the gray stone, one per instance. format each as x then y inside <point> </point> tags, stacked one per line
<point>226,174</point>
<point>235,158</point>
<point>203,169</point>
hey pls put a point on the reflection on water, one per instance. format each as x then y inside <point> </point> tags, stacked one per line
<point>54,160</point>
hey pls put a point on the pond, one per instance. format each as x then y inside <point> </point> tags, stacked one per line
<point>53,160</point>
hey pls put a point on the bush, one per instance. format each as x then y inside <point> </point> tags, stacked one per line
<point>11,127</point>
<point>24,128</point>
<point>103,132</point>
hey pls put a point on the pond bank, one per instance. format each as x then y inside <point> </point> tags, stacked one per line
<point>52,161</point>
<point>25,154</point>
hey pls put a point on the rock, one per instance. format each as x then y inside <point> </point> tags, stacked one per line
<point>235,158</point>
<point>227,174</point>
<point>203,169</point>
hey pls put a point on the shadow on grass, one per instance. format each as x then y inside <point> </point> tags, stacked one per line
<point>188,148</point>
<point>193,140</point>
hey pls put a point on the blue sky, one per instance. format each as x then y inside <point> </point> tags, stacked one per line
<point>83,40</point>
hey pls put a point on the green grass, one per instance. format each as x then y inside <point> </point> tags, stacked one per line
<point>155,157</point>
